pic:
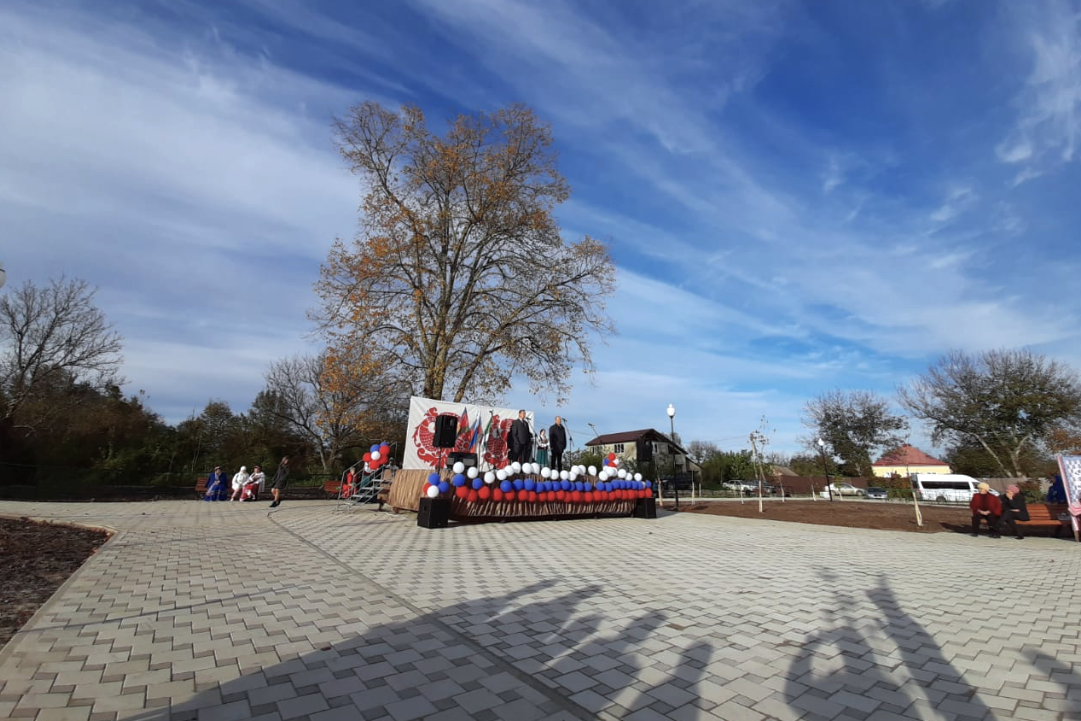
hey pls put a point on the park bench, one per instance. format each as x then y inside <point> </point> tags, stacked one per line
<point>331,489</point>
<point>1046,515</point>
<point>200,487</point>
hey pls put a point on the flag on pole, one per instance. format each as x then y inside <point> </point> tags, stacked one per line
<point>476,436</point>
<point>463,421</point>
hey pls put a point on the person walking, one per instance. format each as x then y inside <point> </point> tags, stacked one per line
<point>542,448</point>
<point>1014,509</point>
<point>521,439</point>
<point>557,439</point>
<point>985,507</point>
<point>281,479</point>
<point>239,480</point>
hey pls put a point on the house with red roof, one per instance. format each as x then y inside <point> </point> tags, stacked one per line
<point>905,461</point>
<point>644,446</point>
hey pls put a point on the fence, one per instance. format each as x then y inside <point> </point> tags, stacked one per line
<point>35,482</point>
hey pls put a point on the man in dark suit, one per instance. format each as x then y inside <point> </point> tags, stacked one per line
<point>557,437</point>
<point>521,439</point>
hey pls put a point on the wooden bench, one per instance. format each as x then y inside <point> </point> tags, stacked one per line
<point>200,487</point>
<point>331,489</point>
<point>1046,515</point>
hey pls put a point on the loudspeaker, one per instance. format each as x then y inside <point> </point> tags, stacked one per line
<point>645,451</point>
<point>469,459</point>
<point>434,513</point>
<point>446,432</point>
<point>645,508</point>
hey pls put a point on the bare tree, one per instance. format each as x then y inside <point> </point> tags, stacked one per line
<point>54,339</point>
<point>1009,402</point>
<point>324,400</point>
<point>461,275</point>
<point>855,426</point>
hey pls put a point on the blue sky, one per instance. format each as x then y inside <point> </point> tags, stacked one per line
<point>798,196</point>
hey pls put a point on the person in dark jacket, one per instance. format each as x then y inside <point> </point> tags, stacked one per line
<point>520,439</point>
<point>985,507</point>
<point>557,438</point>
<point>1057,492</point>
<point>1013,510</point>
<point>281,479</point>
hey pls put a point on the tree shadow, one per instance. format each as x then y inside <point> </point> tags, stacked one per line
<point>1065,675</point>
<point>490,657</point>
<point>838,669</point>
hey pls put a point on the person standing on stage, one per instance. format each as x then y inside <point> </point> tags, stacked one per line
<point>521,439</point>
<point>281,478</point>
<point>557,439</point>
<point>542,447</point>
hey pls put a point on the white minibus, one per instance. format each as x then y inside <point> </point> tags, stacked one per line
<point>944,487</point>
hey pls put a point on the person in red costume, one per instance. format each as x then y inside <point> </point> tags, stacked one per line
<point>985,507</point>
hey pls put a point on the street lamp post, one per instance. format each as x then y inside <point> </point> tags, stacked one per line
<point>3,275</point>
<point>825,468</point>
<point>672,438</point>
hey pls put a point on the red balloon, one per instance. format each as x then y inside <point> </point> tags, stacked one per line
<point>384,449</point>
<point>485,493</point>
<point>532,496</point>
<point>561,495</point>
<point>589,496</point>
<point>611,456</point>
<point>576,496</point>
<point>472,497</point>
<point>461,491</point>
<point>509,495</point>
<point>497,495</point>
<point>368,457</point>
<point>649,493</point>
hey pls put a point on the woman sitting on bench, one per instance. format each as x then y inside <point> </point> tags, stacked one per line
<point>1014,509</point>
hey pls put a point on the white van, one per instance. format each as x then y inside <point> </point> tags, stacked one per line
<point>945,487</point>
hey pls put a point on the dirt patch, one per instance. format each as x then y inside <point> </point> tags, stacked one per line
<point>35,559</point>
<point>891,516</point>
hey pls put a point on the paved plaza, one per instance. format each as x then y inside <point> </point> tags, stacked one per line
<point>219,611</point>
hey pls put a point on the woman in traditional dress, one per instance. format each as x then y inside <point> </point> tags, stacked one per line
<point>217,486</point>
<point>542,449</point>
<point>239,481</point>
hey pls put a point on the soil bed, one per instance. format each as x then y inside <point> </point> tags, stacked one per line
<point>890,516</point>
<point>35,559</point>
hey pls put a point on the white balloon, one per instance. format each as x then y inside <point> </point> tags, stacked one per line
<point>638,477</point>
<point>536,468</point>
<point>489,477</point>
<point>592,470</point>
<point>516,467</point>
<point>433,491</point>
<point>546,473</point>
<point>501,474</point>
<point>564,475</point>
<point>573,476</point>
<point>472,472</point>
<point>621,473</point>
<point>458,467</point>
<point>375,455</point>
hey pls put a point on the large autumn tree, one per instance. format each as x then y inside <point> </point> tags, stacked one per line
<point>1010,403</point>
<point>460,276</point>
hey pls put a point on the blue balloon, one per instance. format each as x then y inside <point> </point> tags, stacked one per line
<point>530,484</point>
<point>374,448</point>
<point>478,483</point>
<point>518,484</point>
<point>564,485</point>
<point>443,486</point>
<point>606,461</point>
<point>458,480</point>
<point>544,486</point>
<point>506,486</point>
<point>433,479</point>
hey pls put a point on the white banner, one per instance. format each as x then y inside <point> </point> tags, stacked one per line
<point>480,429</point>
<point>1070,468</point>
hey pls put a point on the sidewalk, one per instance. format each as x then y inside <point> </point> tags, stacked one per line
<point>220,611</point>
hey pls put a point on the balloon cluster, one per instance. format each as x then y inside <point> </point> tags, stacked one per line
<point>611,461</point>
<point>378,456</point>
<point>519,482</point>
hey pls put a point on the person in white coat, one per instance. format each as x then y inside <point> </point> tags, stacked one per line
<point>238,483</point>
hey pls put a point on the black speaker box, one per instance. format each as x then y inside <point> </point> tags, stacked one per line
<point>434,513</point>
<point>645,508</point>
<point>446,431</point>
<point>469,459</point>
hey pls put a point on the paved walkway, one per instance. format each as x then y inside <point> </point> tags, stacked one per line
<point>221,611</point>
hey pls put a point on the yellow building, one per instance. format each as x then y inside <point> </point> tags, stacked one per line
<point>907,460</point>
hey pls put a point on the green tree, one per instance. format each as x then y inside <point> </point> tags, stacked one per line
<point>856,425</point>
<point>1007,402</point>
